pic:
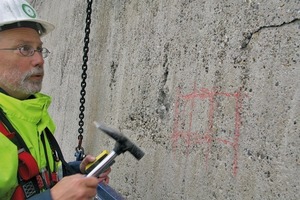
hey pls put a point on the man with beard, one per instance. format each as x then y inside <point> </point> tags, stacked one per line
<point>31,164</point>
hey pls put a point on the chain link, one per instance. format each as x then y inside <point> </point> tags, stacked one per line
<point>79,150</point>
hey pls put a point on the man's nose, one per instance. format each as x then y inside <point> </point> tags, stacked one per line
<point>37,58</point>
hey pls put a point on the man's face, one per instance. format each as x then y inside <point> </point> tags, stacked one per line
<point>20,76</point>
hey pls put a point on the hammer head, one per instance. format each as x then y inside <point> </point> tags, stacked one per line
<point>123,144</point>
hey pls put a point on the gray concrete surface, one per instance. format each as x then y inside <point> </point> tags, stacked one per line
<point>209,89</point>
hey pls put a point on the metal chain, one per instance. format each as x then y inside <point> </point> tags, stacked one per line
<point>79,154</point>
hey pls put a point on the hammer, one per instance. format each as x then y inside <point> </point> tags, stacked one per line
<point>122,145</point>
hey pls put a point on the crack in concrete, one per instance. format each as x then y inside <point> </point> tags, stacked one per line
<point>248,36</point>
<point>162,99</point>
<point>113,68</point>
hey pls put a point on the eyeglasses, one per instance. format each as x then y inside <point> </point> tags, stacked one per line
<point>27,50</point>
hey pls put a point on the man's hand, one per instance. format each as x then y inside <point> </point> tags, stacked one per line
<point>89,159</point>
<point>75,187</point>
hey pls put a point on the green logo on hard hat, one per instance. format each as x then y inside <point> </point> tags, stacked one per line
<point>29,11</point>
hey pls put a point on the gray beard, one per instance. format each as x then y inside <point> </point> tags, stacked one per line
<point>17,82</point>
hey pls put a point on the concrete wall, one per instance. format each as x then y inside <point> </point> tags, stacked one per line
<point>209,89</point>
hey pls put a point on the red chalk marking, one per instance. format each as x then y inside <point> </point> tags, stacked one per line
<point>185,104</point>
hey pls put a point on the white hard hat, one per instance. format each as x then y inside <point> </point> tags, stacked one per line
<point>18,13</point>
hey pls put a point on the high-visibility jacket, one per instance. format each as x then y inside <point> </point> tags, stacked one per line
<point>29,117</point>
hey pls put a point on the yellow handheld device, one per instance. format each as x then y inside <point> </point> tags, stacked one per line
<point>89,167</point>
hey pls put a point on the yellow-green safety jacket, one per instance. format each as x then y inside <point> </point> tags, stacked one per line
<point>30,118</point>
